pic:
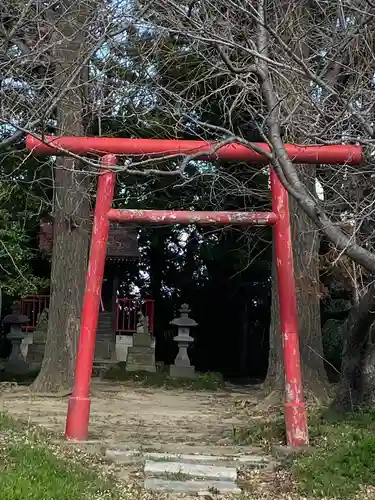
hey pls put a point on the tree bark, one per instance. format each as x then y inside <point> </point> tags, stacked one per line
<point>71,212</point>
<point>357,382</point>
<point>305,240</point>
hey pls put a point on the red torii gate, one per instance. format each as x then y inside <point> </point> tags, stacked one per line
<point>79,403</point>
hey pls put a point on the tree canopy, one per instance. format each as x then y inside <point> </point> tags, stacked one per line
<point>221,71</point>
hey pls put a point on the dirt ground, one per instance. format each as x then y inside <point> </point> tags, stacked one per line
<point>154,419</point>
<point>178,421</point>
<point>134,417</point>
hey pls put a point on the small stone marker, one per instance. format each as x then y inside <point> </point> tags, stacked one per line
<point>141,356</point>
<point>182,367</point>
<point>35,351</point>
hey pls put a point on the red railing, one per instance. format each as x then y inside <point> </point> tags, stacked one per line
<point>32,306</point>
<point>127,314</point>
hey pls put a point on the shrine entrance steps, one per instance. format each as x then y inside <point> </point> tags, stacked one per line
<point>162,439</point>
<point>193,473</point>
<point>105,337</point>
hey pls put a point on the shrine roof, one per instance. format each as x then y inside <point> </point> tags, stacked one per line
<point>122,240</point>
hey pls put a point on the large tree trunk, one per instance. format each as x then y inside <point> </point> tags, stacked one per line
<point>305,240</point>
<point>358,369</point>
<point>357,383</point>
<point>71,213</point>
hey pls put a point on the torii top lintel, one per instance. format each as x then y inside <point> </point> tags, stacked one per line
<point>325,154</point>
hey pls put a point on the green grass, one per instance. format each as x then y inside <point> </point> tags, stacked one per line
<point>202,382</point>
<point>342,457</point>
<point>30,469</point>
<point>261,432</point>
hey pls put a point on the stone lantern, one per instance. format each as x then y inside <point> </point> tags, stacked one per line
<point>16,363</point>
<point>182,367</point>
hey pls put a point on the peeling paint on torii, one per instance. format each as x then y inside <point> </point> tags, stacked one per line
<point>157,148</point>
<point>79,403</point>
<point>191,217</point>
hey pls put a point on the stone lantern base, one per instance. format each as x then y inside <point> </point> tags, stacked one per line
<point>182,371</point>
<point>16,364</point>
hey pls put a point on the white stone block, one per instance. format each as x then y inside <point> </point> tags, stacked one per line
<point>191,469</point>
<point>123,342</point>
<point>26,341</point>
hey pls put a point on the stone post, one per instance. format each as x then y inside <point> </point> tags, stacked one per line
<point>182,367</point>
<point>16,363</point>
<point>35,351</point>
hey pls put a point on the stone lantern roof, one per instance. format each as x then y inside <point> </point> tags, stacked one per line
<point>16,317</point>
<point>184,320</point>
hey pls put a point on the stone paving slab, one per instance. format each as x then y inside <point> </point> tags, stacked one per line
<point>189,449</point>
<point>190,469</point>
<point>242,459</point>
<point>192,486</point>
<point>250,461</point>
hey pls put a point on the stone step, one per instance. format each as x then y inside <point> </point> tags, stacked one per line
<point>251,461</point>
<point>202,487</point>
<point>141,350</point>
<point>225,450</point>
<point>140,367</point>
<point>101,365</point>
<point>104,362</point>
<point>194,470</point>
<point>105,334</point>
<point>103,342</point>
<point>106,321</point>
